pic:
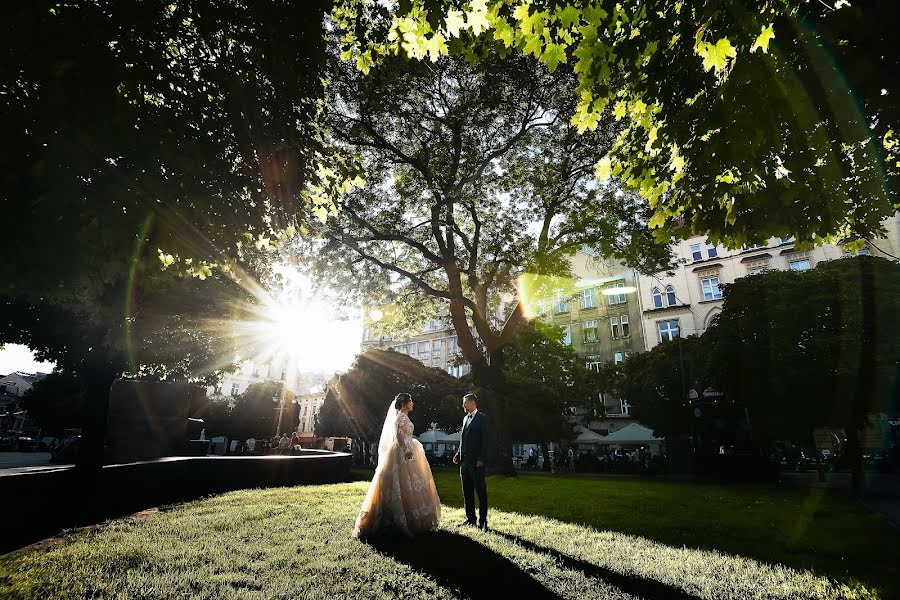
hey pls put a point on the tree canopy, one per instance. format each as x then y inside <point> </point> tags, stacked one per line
<point>740,120</point>
<point>357,401</point>
<point>476,177</point>
<point>811,349</point>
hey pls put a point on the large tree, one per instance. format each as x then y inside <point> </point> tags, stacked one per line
<point>656,383</point>
<point>256,412</point>
<point>357,401</point>
<point>477,179</point>
<point>743,120</point>
<point>812,349</point>
<point>133,127</point>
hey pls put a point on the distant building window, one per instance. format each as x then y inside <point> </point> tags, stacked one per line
<point>589,331</point>
<point>567,335</point>
<point>657,298</point>
<point>614,326</point>
<point>617,298</point>
<point>711,251</point>
<point>756,270</point>
<point>624,407</point>
<point>234,389</point>
<point>754,247</point>
<point>594,366</point>
<point>424,350</point>
<point>588,299</point>
<point>436,348</point>
<point>864,251</point>
<point>696,253</point>
<point>710,286</point>
<point>618,357</point>
<point>800,264</point>
<point>625,330</point>
<point>671,300</point>
<point>561,306</point>
<point>668,330</point>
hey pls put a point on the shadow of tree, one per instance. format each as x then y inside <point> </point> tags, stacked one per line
<point>460,563</point>
<point>631,584</point>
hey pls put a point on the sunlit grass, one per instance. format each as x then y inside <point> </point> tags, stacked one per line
<point>296,543</point>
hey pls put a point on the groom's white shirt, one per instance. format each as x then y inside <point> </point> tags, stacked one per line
<point>469,418</point>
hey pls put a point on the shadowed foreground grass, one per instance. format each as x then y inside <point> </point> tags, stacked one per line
<point>295,543</point>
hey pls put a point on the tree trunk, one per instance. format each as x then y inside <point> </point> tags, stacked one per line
<point>863,397</point>
<point>491,379</point>
<point>98,381</point>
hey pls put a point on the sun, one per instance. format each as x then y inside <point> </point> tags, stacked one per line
<point>308,332</point>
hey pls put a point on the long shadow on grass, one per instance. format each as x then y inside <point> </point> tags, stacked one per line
<point>637,586</point>
<point>460,563</point>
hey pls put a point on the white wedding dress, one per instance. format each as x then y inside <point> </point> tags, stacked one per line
<point>402,498</point>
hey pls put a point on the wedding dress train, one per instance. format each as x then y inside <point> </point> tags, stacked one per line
<point>402,498</point>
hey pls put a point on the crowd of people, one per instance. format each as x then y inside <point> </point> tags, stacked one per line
<point>285,444</point>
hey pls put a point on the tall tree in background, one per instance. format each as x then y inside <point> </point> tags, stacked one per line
<point>655,383</point>
<point>477,178</point>
<point>255,414</point>
<point>134,127</point>
<point>812,349</point>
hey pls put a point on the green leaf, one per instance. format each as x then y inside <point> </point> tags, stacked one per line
<point>533,45</point>
<point>453,23</point>
<point>603,168</point>
<point>568,16</point>
<point>364,61</point>
<point>716,55</point>
<point>553,55</point>
<point>620,110</point>
<point>657,220</point>
<point>436,46</point>
<point>762,41</point>
<point>476,18</point>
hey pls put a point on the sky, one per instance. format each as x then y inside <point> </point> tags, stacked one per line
<point>19,358</point>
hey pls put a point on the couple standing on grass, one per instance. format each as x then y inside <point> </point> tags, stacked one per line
<point>402,498</point>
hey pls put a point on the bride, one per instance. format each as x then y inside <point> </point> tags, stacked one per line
<point>402,498</point>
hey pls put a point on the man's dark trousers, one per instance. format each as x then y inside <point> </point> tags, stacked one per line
<point>473,483</point>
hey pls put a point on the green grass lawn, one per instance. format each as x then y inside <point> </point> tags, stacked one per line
<point>600,538</point>
<point>827,532</point>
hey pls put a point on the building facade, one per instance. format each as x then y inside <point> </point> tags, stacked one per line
<point>310,404</point>
<point>601,320</point>
<point>434,346</point>
<point>686,300</point>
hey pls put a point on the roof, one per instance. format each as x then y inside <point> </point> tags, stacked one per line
<point>632,433</point>
<point>436,435</point>
<point>586,435</point>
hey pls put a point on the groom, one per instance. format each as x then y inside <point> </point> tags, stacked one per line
<point>471,457</point>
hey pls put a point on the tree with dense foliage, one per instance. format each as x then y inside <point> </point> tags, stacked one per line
<point>478,180</point>
<point>141,135</point>
<point>255,414</point>
<point>357,401</point>
<point>56,403</point>
<point>656,383</point>
<point>743,120</point>
<point>811,349</point>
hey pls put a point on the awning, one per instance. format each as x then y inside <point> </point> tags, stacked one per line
<point>587,436</point>
<point>632,434</point>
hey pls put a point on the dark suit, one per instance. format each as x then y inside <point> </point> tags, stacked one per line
<point>473,448</point>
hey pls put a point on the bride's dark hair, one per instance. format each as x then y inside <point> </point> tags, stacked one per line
<point>401,400</point>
